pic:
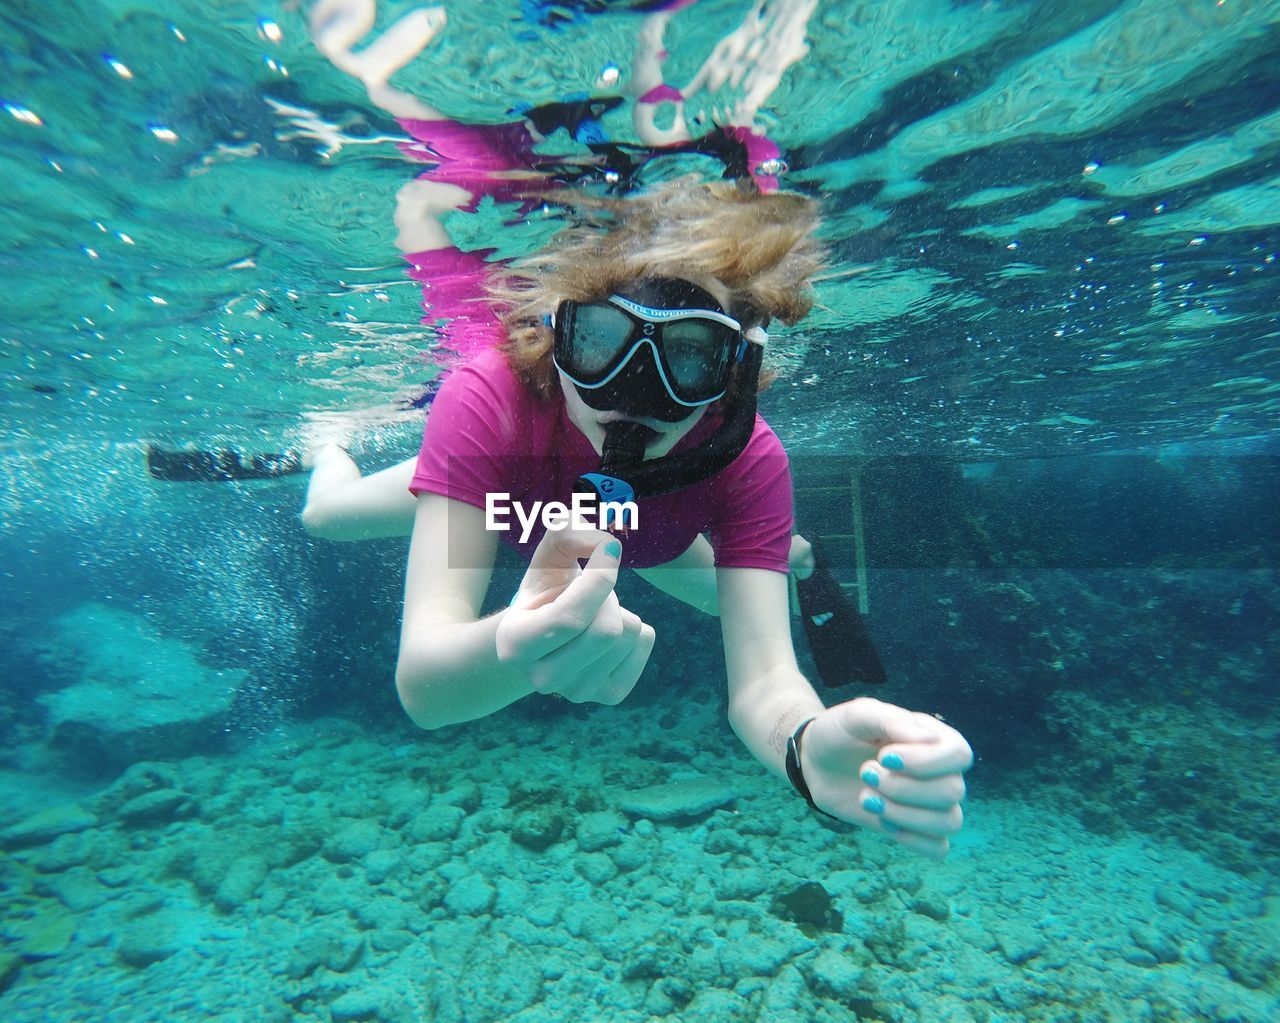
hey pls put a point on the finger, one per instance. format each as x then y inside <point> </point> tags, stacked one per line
<point>937,793</point>
<point>926,822</point>
<point>546,628</point>
<point>589,591</point>
<point>627,673</point>
<point>871,721</point>
<point>933,846</point>
<point>610,677</point>
<point>560,549</point>
<point>554,565</point>
<point>949,753</point>
<point>590,654</point>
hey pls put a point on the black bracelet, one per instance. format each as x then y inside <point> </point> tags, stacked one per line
<point>794,772</point>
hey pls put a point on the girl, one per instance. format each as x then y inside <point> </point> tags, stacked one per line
<point>630,366</point>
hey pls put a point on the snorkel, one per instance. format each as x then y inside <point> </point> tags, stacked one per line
<point>625,475</point>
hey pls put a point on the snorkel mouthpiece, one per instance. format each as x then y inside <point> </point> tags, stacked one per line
<point>624,445</point>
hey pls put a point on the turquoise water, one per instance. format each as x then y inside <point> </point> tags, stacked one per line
<point>1050,320</point>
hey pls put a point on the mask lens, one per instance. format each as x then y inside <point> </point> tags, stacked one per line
<point>695,355</point>
<point>595,337</point>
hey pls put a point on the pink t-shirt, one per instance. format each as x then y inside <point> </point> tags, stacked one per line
<point>488,434</point>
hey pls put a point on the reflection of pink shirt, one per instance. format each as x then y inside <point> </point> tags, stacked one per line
<point>488,434</point>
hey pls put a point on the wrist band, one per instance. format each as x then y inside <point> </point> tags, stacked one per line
<point>796,774</point>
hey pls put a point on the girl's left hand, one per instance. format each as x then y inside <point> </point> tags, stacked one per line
<point>889,769</point>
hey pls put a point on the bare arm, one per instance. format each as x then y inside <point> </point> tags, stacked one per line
<point>866,762</point>
<point>690,577</point>
<point>564,632</point>
<point>448,668</point>
<point>768,696</point>
<point>343,505</point>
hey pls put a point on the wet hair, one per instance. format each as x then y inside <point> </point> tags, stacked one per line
<point>760,246</point>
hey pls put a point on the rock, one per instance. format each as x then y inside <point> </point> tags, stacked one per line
<point>1250,951</point>
<point>1177,900</point>
<point>1021,947</point>
<point>10,964</point>
<point>240,883</point>
<point>596,868</point>
<point>135,694</point>
<point>470,896</point>
<point>352,842</point>
<point>740,885</point>
<point>685,800</point>
<point>307,779</point>
<point>136,780</point>
<point>933,905</point>
<point>204,858</point>
<point>668,996</point>
<point>1160,945</point>
<point>726,840</point>
<point>810,907</point>
<point>836,975</point>
<point>381,914</point>
<point>635,853</point>
<point>440,823</point>
<point>500,986</point>
<point>760,957</point>
<point>154,937</point>
<point>381,864</point>
<point>390,941</point>
<point>115,877</point>
<point>159,807</point>
<point>1139,957</point>
<point>716,1005</point>
<point>649,962</point>
<point>599,830</point>
<point>540,827</point>
<point>78,889</point>
<point>64,853</point>
<point>543,909</point>
<point>46,825</point>
<point>950,1009</point>
<point>787,1000</point>
<point>334,951</point>
<point>47,934</point>
<point>357,1004</point>
<point>870,889</point>
<point>466,796</point>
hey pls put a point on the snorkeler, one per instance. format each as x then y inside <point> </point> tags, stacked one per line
<point>632,355</point>
<point>627,355</point>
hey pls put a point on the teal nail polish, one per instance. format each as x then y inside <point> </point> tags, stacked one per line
<point>873,804</point>
<point>613,549</point>
<point>870,777</point>
<point>892,761</point>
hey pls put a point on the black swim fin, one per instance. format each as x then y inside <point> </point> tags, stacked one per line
<point>218,466</point>
<point>838,638</point>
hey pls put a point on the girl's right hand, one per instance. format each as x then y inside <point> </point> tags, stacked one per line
<point>565,627</point>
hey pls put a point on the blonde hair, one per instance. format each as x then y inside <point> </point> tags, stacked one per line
<point>760,246</point>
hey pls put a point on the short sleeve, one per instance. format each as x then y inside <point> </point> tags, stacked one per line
<point>471,433</point>
<point>753,518</point>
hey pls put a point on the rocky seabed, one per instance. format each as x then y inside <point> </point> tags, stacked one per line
<point>566,870</point>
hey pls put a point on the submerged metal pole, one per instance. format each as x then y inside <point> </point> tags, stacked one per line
<point>859,540</point>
